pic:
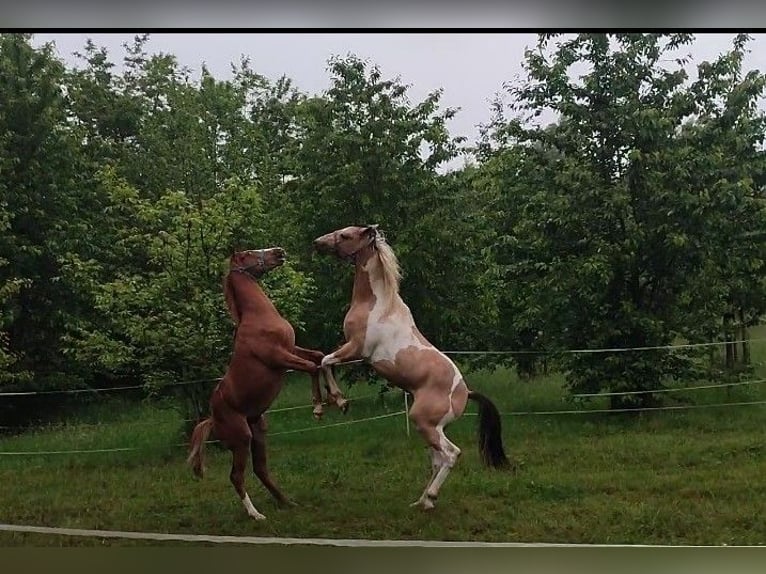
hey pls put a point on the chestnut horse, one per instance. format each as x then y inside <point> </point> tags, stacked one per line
<point>264,349</point>
<point>379,328</point>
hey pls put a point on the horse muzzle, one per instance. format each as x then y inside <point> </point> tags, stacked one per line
<point>321,245</point>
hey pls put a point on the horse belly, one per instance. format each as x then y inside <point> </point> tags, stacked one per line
<point>419,369</point>
<point>255,335</point>
<point>252,386</point>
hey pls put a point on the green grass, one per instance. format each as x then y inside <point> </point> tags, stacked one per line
<point>669,477</point>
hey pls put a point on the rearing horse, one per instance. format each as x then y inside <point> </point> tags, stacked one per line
<point>264,349</point>
<point>380,329</point>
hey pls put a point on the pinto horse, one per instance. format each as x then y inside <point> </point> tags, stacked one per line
<point>264,349</point>
<point>379,328</point>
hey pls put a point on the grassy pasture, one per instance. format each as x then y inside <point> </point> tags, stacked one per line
<point>668,477</point>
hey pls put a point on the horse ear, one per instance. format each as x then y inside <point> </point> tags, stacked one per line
<point>372,230</point>
<point>231,300</point>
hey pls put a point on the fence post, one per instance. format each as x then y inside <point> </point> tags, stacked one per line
<point>406,413</point>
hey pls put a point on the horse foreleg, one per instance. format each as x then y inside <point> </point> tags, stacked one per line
<point>333,390</point>
<point>334,393</point>
<point>346,352</point>
<point>258,452</point>
<point>287,360</point>
<point>316,396</point>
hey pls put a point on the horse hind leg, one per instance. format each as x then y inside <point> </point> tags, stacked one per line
<point>444,455</point>
<point>238,440</point>
<point>451,453</point>
<point>435,459</point>
<point>260,468</point>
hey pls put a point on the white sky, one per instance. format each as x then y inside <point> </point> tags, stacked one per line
<point>470,67</point>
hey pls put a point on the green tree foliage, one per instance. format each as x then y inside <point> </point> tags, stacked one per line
<point>168,321</point>
<point>40,212</point>
<point>366,155</point>
<point>123,196</point>
<point>636,217</point>
<point>179,193</point>
<point>617,220</point>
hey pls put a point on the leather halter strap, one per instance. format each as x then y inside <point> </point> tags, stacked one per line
<point>260,260</point>
<point>351,257</point>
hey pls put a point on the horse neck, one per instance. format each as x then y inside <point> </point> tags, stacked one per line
<point>362,292</point>
<point>250,296</point>
<point>369,269</point>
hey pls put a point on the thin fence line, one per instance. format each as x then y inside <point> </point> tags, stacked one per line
<point>673,390</point>
<point>626,410</point>
<point>132,387</point>
<point>280,410</point>
<point>102,389</point>
<point>397,413</point>
<point>284,409</point>
<point>605,350</point>
<point>184,444</point>
<point>355,361</point>
<point>75,451</point>
<point>340,424</point>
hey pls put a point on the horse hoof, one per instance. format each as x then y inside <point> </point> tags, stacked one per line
<point>343,405</point>
<point>424,503</point>
<point>257,516</point>
<point>287,503</point>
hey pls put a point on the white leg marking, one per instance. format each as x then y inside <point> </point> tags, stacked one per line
<point>328,360</point>
<point>436,463</point>
<point>448,459</point>
<point>251,511</point>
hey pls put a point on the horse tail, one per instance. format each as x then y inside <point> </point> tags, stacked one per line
<point>196,455</point>
<point>490,433</point>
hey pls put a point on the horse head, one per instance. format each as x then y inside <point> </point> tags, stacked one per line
<point>254,263</point>
<point>257,262</point>
<point>345,243</point>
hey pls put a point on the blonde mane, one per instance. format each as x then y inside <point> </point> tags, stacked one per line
<point>390,269</point>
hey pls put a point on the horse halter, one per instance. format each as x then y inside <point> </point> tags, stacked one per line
<point>260,261</point>
<point>351,257</point>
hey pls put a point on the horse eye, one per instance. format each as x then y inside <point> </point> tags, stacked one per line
<point>345,236</point>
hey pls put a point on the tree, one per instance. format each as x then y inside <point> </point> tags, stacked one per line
<point>168,321</point>
<point>41,209</point>
<point>612,219</point>
<point>366,155</point>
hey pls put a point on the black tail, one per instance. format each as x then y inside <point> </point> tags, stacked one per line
<point>490,433</point>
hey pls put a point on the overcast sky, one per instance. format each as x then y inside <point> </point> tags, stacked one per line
<point>470,67</point>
